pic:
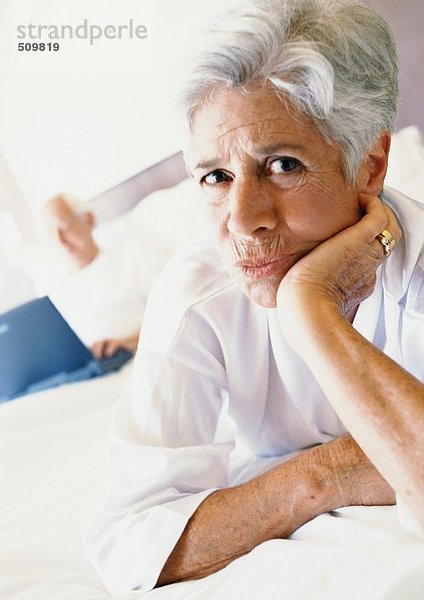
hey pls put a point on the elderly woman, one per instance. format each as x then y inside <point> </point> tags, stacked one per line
<point>280,372</point>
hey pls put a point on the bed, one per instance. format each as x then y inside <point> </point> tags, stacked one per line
<point>53,461</point>
<point>53,449</point>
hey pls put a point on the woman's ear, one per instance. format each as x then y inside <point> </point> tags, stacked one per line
<point>374,167</point>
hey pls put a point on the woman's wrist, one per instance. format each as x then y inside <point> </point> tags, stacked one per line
<point>306,317</point>
<point>347,476</point>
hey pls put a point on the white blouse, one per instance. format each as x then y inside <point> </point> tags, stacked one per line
<point>218,396</point>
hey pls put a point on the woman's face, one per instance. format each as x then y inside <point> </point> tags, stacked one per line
<point>273,187</point>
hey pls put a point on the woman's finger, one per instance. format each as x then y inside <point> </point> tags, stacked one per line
<point>380,225</point>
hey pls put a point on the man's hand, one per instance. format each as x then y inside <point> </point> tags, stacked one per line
<point>108,347</point>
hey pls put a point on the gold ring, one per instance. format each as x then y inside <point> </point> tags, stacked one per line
<point>387,240</point>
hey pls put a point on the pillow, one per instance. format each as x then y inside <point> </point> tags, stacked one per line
<point>168,218</point>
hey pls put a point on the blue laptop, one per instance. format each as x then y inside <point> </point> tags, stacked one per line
<point>39,350</point>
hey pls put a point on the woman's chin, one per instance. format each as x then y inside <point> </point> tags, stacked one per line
<point>263,293</point>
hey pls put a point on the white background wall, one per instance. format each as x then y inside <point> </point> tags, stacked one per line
<point>83,134</point>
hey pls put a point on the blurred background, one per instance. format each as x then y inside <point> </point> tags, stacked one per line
<point>85,134</point>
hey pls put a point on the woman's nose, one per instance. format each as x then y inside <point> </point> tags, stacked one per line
<point>251,208</point>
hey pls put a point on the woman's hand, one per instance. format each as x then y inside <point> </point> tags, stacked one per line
<point>379,402</point>
<point>340,271</point>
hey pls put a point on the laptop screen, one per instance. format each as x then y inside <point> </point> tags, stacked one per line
<point>36,343</point>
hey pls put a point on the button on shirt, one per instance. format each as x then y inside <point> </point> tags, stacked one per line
<point>218,397</point>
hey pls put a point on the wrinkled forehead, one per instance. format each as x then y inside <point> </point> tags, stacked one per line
<point>227,109</point>
<point>232,120</point>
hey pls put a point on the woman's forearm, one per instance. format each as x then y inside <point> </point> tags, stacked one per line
<point>231,522</point>
<point>380,403</point>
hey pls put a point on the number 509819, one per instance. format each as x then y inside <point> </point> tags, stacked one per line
<point>38,46</point>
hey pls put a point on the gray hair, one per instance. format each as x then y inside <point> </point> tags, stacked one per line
<point>334,59</point>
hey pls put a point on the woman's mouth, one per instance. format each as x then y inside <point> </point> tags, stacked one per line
<point>260,268</point>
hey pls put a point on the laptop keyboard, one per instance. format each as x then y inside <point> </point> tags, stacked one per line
<point>94,368</point>
<point>112,363</point>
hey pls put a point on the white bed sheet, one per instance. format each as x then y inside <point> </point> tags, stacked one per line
<point>52,470</point>
<point>53,450</point>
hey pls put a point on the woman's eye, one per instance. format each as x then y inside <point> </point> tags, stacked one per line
<point>284,164</point>
<point>215,177</point>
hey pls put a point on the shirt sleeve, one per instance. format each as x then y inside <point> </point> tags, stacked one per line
<point>170,450</point>
<point>408,520</point>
